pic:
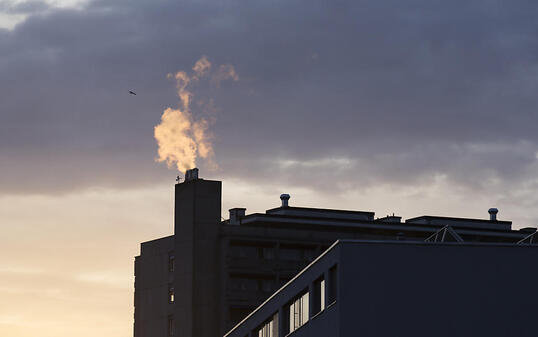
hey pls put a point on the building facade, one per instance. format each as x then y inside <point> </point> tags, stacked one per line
<point>396,288</point>
<point>204,279</point>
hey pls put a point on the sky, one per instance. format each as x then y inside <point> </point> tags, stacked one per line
<point>419,107</point>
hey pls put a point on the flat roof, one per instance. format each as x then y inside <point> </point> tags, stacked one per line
<point>274,219</point>
<point>428,217</point>
<point>324,210</point>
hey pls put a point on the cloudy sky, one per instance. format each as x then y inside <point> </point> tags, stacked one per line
<point>413,107</point>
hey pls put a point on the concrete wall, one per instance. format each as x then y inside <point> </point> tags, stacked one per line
<point>438,290</point>
<point>151,284</point>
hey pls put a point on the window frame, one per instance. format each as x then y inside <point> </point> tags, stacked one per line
<point>269,328</point>
<point>298,311</point>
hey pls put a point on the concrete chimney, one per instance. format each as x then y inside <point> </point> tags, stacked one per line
<point>284,198</point>
<point>236,214</point>
<point>493,214</point>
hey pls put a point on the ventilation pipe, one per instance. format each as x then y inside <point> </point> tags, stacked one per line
<point>284,198</point>
<point>493,214</point>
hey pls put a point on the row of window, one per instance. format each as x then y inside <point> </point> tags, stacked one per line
<point>298,310</point>
<point>171,292</point>
<point>245,283</point>
<point>269,253</point>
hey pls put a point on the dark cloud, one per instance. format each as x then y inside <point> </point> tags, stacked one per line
<point>364,92</point>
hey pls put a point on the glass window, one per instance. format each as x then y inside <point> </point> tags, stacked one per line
<point>267,253</point>
<point>269,328</point>
<point>319,295</point>
<point>298,311</point>
<point>170,325</point>
<point>322,294</point>
<point>333,284</point>
<point>267,285</point>
<point>243,283</point>
<point>171,294</point>
<point>248,251</point>
<point>293,254</point>
<point>171,262</point>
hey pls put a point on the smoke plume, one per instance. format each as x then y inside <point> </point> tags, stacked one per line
<point>182,138</point>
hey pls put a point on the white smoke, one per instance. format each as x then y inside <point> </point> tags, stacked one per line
<point>181,138</point>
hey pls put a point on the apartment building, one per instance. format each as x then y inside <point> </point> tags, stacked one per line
<point>209,275</point>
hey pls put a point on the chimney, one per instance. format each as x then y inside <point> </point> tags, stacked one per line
<point>191,174</point>
<point>197,228</point>
<point>236,214</point>
<point>284,198</point>
<point>493,214</point>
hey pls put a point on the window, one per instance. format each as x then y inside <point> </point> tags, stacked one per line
<point>244,251</point>
<point>267,253</point>
<point>238,313</point>
<point>267,285</point>
<point>269,328</point>
<point>319,295</point>
<point>171,262</point>
<point>171,294</point>
<point>243,282</point>
<point>170,325</point>
<point>298,310</point>
<point>292,254</point>
<point>333,284</point>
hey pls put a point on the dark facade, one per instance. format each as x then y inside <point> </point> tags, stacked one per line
<point>210,274</point>
<point>415,289</point>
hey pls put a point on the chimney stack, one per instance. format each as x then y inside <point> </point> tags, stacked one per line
<point>236,214</point>
<point>493,214</point>
<point>284,198</point>
<point>191,174</point>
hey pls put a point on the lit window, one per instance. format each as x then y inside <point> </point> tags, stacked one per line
<point>170,325</point>
<point>171,262</point>
<point>269,328</point>
<point>319,295</point>
<point>171,294</point>
<point>298,312</point>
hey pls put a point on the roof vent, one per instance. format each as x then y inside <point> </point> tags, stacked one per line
<point>236,214</point>
<point>493,214</point>
<point>191,174</point>
<point>284,198</point>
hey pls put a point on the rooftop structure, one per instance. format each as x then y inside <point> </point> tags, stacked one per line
<point>211,273</point>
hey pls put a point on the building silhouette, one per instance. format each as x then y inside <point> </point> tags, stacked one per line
<point>209,275</point>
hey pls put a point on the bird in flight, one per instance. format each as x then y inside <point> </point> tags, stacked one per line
<point>132,92</point>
